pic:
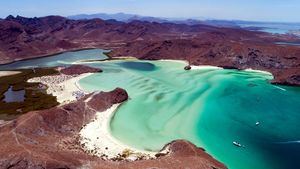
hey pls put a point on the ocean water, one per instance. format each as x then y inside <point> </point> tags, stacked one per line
<point>288,43</point>
<point>210,107</point>
<point>274,28</point>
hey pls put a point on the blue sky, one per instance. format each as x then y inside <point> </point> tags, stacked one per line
<point>258,10</point>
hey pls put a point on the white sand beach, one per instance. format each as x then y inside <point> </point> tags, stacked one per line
<point>64,87</point>
<point>8,73</point>
<point>259,71</point>
<point>204,67</point>
<point>95,136</point>
<point>193,67</point>
<point>97,139</point>
<point>178,61</point>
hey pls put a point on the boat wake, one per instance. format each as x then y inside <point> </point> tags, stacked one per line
<point>289,142</point>
<point>280,88</point>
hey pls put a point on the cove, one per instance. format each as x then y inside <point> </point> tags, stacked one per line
<point>62,59</point>
<point>210,107</point>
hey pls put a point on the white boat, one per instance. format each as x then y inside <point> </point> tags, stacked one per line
<point>236,144</point>
<point>257,123</point>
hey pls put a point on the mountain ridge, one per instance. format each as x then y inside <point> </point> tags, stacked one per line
<point>24,38</point>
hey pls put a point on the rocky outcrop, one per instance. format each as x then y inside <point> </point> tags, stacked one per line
<point>118,96</point>
<point>49,139</point>
<point>182,154</point>
<point>188,67</point>
<point>287,77</point>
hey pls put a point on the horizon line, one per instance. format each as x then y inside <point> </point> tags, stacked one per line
<point>159,17</point>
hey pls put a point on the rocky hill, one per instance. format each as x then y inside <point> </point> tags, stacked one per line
<point>23,38</point>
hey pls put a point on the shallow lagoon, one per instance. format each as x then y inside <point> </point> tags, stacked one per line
<point>62,59</point>
<point>210,107</point>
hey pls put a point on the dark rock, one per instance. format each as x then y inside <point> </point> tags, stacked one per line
<point>188,67</point>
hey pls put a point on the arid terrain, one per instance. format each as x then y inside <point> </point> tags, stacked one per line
<point>23,38</point>
<point>50,138</point>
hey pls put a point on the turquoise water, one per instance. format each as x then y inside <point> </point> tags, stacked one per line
<point>63,59</point>
<point>211,108</point>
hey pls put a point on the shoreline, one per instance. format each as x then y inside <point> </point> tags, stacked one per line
<point>109,59</point>
<point>95,137</point>
<point>49,55</point>
<point>122,58</point>
<point>8,73</point>
<point>259,71</point>
<point>199,67</point>
<point>273,81</point>
<point>64,87</point>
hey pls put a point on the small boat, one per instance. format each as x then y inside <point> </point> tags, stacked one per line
<point>257,123</point>
<point>236,144</point>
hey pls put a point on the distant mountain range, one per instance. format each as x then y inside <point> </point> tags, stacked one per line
<point>123,17</point>
<point>118,16</point>
<point>271,27</point>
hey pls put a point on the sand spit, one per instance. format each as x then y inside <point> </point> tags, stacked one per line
<point>64,87</point>
<point>97,140</point>
<point>8,73</point>
<point>204,67</point>
<point>193,67</point>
